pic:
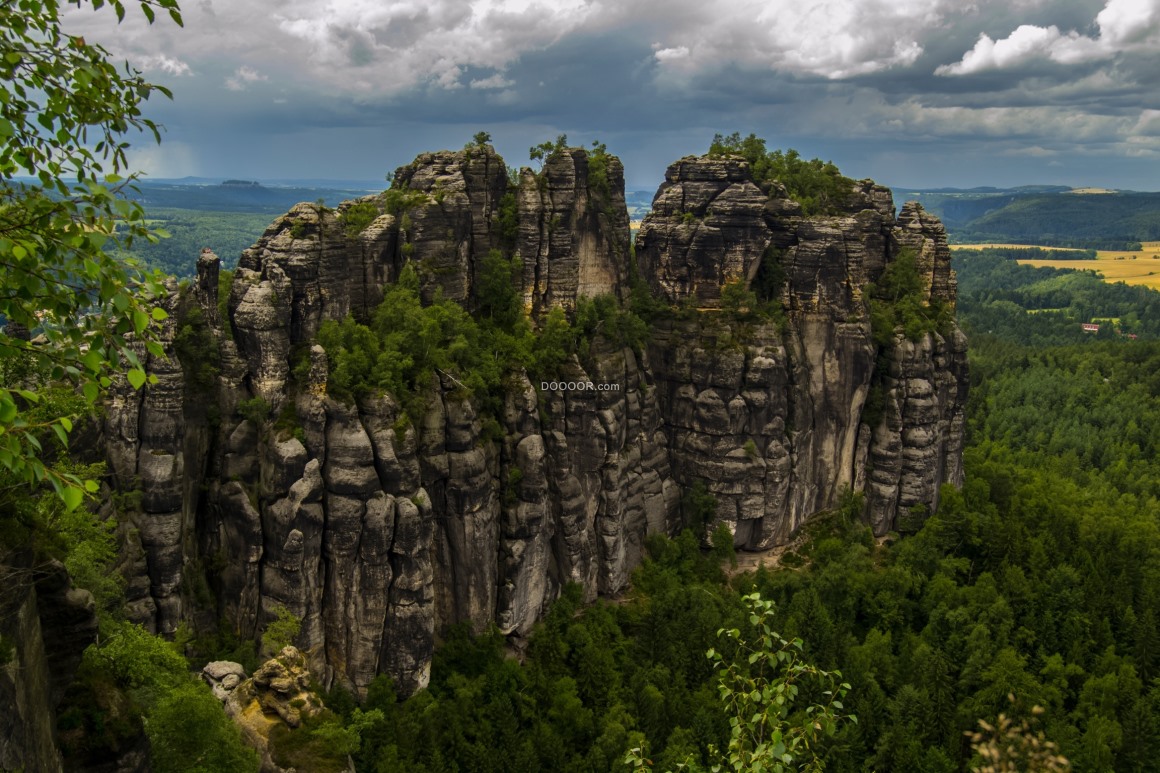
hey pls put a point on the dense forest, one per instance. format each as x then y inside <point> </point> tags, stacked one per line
<point>1037,580</point>
<point>1045,306</point>
<point>1032,592</point>
<point>190,230</point>
<point>1033,587</point>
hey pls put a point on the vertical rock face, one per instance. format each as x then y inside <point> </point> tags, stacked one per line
<point>47,623</point>
<point>925,234</point>
<point>449,230</point>
<point>145,446</point>
<point>328,277</point>
<point>379,531</point>
<point>706,229</point>
<point>573,236</point>
<point>775,425</point>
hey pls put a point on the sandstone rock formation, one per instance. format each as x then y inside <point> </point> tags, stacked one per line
<point>796,396</point>
<point>379,532</point>
<point>45,625</point>
<point>573,229</point>
<point>278,694</point>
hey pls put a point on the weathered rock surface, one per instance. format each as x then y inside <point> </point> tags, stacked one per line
<point>573,230</point>
<point>146,439</point>
<point>706,229</point>
<point>379,532</point>
<point>45,625</point>
<point>774,425</point>
<point>279,693</point>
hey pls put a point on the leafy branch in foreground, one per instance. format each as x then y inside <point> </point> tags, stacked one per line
<point>72,311</point>
<point>760,685</point>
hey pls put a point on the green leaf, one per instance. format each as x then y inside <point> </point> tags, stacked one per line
<point>159,313</point>
<point>136,378</point>
<point>93,361</point>
<point>72,498</point>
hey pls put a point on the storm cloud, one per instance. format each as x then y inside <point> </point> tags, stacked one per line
<point>911,92</point>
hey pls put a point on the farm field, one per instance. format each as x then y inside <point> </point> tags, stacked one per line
<point>1133,268</point>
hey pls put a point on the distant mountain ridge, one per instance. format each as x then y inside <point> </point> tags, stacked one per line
<point>1047,215</point>
<point>244,196</point>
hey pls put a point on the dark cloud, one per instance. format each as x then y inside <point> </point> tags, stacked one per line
<point>901,90</point>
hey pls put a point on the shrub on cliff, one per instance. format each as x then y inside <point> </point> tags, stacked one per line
<point>406,344</point>
<point>815,184</point>
<point>133,681</point>
<point>357,217</point>
<point>898,300</point>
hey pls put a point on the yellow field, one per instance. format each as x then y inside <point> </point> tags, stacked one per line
<point>1134,268</point>
<point>999,246</point>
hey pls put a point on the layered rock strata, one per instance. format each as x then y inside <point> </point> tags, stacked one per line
<point>379,532</point>
<point>774,425</point>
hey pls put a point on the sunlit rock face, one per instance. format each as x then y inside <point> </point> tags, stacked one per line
<point>264,492</point>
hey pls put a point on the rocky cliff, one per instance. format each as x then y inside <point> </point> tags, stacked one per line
<point>45,625</point>
<point>261,490</point>
<point>776,427</point>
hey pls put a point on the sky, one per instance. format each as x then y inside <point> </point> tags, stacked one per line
<point>912,93</point>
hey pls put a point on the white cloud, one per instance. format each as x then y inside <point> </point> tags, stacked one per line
<point>365,47</point>
<point>835,39</point>
<point>378,47</point>
<point>1124,25</point>
<point>1031,151</point>
<point>1148,124</point>
<point>1130,22</point>
<point>243,77</point>
<point>671,54</point>
<point>166,64</point>
<point>496,81</point>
